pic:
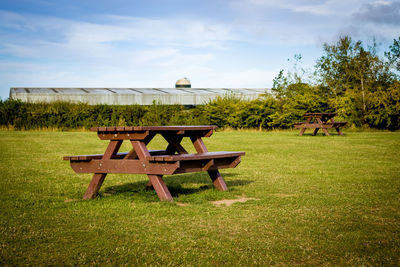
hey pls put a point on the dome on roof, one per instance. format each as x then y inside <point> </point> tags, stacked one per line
<point>183,83</point>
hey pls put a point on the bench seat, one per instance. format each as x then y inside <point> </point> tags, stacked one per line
<point>334,124</point>
<point>341,123</point>
<point>318,125</point>
<point>120,155</point>
<point>158,164</point>
<point>198,156</point>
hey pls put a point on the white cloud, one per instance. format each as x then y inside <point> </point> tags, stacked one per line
<point>40,36</point>
<point>313,22</point>
<point>120,51</point>
<point>379,12</point>
<point>153,55</point>
<point>315,7</point>
<point>42,75</point>
<point>123,52</point>
<point>251,78</point>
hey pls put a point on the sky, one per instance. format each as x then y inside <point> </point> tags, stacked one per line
<point>153,43</point>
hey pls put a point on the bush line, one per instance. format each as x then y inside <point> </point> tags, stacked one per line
<point>266,112</point>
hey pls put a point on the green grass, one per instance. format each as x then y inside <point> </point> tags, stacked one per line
<point>321,201</point>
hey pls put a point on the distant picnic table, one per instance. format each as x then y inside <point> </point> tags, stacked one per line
<point>155,163</point>
<point>323,121</point>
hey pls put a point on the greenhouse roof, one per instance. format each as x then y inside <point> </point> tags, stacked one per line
<point>129,96</point>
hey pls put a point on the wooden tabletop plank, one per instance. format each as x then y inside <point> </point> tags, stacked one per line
<point>179,129</point>
<point>118,155</point>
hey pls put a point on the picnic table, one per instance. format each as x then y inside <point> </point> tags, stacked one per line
<point>323,121</point>
<point>155,163</point>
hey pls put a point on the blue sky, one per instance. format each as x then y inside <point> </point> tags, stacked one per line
<point>153,43</point>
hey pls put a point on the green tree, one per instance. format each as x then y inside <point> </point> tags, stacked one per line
<point>299,98</point>
<point>394,54</point>
<point>385,110</point>
<point>352,73</point>
<point>257,113</point>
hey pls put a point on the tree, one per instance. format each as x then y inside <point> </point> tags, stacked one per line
<point>385,113</point>
<point>352,73</point>
<point>394,54</point>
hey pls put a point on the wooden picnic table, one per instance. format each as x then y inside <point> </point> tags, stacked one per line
<point>155,163</point>
<point>323,121</point>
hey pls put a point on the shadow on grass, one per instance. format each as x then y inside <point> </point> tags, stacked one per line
<point>319,134</point>
<point>174,184</point>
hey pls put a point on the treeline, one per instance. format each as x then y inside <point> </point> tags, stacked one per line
<point>267,112</point>
<point>362,87</point>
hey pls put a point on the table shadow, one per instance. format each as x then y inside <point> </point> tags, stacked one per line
<point>321,134</point>
<point>174,184</point>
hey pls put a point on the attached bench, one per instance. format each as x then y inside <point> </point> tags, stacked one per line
<point>155,163</point>
<point>198,156</point>
<point>339,123</point>
<point>119,155</point>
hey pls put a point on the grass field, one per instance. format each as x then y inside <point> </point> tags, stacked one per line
<point>317,201</point>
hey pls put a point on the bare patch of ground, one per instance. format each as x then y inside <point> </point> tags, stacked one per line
<point>182,204</point>
<point>229,202</point>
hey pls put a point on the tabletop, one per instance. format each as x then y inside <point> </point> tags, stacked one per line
<point>143,132</point>
<point>154,128</point>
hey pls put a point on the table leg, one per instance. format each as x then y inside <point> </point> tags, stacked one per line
<point>305,124</point>
<point>323,129</point>
<point>94,186</point>
<point>98,178</point>
<point>215,176</point>
<point>174,144</point>
<point>132,154</point>
<point>336,128</point>
<point>159,186</point>
<point>217,180</point>
<point>156,180</point>
<point>315,131</point>
<point>339,131</point>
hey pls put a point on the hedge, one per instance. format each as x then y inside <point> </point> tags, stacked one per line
<point>266,112</point>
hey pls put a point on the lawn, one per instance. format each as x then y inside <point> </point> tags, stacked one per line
<point>315,201</point>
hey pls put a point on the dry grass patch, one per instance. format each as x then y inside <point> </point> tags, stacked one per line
<point>182,204</point>
<point>230,202</point>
